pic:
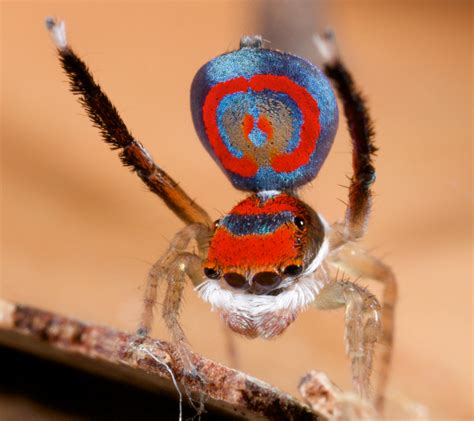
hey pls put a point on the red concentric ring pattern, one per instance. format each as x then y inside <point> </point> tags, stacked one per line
<point>247,166</point>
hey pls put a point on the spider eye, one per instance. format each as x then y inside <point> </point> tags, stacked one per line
<point>216,223</point>
<point>264,282</point>
<point>293,270</point>
<point>235,280</point>
<point>212,273</point>
<point>299,222</point>
<point>267,279</point>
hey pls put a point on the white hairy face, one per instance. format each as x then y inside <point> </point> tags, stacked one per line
<point>265,315</point>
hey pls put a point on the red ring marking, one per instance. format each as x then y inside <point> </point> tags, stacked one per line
<point>310,129</point>
<point>245,166</point>
<point>287,162</point>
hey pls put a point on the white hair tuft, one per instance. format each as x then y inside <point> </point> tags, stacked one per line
<point>327,46</point>
<point>57,29</point>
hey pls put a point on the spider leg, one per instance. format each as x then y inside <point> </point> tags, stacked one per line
<point>361,132</point>
<point>190,265</point>
<point>106,118</point>
<point>184,264</point>
<point>346,254</point>
<point>179,265</point>
<point>357,262</point>
<point>161,269</point>
<point>362,327</point>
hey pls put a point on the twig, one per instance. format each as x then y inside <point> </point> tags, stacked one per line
<point>147,363</point>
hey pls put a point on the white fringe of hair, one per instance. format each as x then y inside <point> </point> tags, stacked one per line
<point>327,46</point>
<point>296,298</point>
<point>57,29</point>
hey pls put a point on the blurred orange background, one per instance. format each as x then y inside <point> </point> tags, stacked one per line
<point>79,232</point>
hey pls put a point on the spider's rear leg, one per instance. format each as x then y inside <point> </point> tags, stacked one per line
<point>362,327</point>
<point>357,262</point>
<point>195,232</point>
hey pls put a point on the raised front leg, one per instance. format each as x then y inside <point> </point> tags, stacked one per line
<point>361,130</point>
<point>362,327</point>
<point>357,262</point>
<point>106,118</point>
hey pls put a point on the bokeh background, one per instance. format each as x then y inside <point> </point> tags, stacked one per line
<point>79,232</point>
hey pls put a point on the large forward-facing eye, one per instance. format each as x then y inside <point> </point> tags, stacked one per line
<point>236,280</point>
<point>264,282</point>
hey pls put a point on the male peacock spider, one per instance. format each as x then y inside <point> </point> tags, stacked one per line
<point>268,119</point>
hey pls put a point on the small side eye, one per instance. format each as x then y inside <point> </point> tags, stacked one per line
<point>293,270</point>
<point>216,223</point>
<point>300,223</point>
<point>212,273</point>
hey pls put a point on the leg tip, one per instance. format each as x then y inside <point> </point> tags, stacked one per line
<point>143,332</point>
<point>57,29</point>
<point>49,22</point>
<point>326,45</point>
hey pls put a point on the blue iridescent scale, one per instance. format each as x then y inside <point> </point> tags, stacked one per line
<point>260,224</point>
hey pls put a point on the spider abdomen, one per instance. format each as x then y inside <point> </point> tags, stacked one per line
<point>268,118</point>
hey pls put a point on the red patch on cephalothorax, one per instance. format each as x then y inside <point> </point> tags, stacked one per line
<point>259,251</point>
<point>253,205</point>
<point>246,166</point>
<point>252,250</point>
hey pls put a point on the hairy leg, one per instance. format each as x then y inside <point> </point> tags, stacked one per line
<point>357,262</point>
<point>159,271</point>
<point>179,266</point>
<point>362,327</point>
<point>184,264</point>
<point>106,118</point>
<point>361,131</point>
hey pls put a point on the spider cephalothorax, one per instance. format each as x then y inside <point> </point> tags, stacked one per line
<point>267,232</point>
<point>264,248</point>
<point>268,119</point>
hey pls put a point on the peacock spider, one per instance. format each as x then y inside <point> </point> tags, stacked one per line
<point>268,119</point>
